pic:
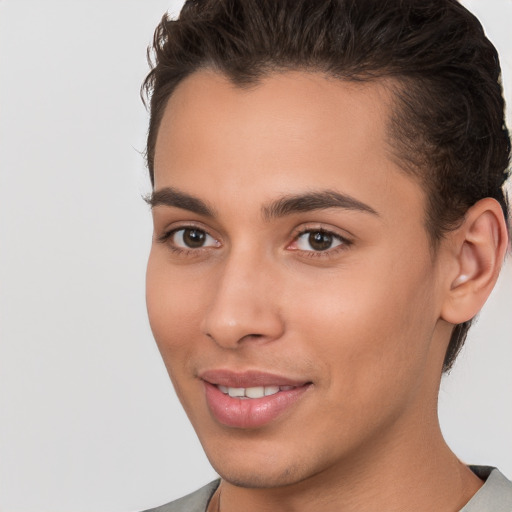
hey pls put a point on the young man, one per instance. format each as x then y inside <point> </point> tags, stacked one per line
<point>329,216</point>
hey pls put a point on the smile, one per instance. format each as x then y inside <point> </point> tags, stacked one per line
<point>250,400</point>
<point>254,392</point>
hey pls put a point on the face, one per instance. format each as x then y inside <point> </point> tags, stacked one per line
<point>290,286</point>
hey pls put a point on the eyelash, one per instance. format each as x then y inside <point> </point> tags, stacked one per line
<point>344,244</point>
<point>165,238</point>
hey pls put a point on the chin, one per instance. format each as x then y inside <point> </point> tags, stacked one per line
<point>261,469</point>
<point>260,478</point>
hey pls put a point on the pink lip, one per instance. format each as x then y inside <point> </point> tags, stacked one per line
<point>247,379</point>
<point>252,412</point>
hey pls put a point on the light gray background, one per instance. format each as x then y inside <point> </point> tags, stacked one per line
<point>88,419</point>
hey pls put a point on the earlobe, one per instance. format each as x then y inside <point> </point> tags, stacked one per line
<point>479,247</point>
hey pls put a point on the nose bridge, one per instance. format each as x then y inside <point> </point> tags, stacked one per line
<point>244,304</point>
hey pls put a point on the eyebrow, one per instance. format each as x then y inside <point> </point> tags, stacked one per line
<point>287,205</point>
<point>312,201</point>
<point>170,196</point>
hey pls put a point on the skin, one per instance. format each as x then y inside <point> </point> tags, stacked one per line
<point>366,321</point>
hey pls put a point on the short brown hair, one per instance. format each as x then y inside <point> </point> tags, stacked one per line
<point>447,127</point>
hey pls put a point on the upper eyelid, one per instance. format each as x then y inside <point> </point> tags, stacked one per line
<point>167,234</point>
<point>332,233</point>
<point>343,240</point>
<point>322,230</point>
<point>346,235</point>
<point>177,226</point>
<point>165,238</point>
<point>208,235</point>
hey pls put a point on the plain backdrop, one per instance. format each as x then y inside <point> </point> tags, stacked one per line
<point>88,418</point>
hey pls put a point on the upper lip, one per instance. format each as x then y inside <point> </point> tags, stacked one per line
<point>246,379</point>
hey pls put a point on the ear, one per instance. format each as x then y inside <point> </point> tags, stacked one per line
<point>477,250</point>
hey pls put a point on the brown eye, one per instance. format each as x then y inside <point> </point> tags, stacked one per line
<point>318,240</point>
<point>192,238</point>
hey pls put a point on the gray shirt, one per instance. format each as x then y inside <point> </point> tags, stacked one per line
<point>494,496</point>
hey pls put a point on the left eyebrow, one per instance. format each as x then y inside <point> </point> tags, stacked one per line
<point>321,200</point>
<point>173,197</point>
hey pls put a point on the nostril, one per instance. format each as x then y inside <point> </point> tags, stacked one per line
<point>220,340</point>
<point>232,319</point>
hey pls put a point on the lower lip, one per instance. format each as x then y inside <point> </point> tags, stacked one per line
<point>250,412</point>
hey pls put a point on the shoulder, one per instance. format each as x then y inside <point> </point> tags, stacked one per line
<point>494,496</point>
<point>194,502</point>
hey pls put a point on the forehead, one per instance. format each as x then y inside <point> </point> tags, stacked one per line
<point>286,108</point>
<point>292,131</point>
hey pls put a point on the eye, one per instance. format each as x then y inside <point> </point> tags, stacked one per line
<point>318,240</point>
<point>191,238</point>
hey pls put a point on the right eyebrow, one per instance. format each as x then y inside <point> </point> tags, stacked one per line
<point>311,201</point>
<point>169,196</point>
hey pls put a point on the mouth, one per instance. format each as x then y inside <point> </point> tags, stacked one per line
<point>253,392</point>
<point>251,399</point>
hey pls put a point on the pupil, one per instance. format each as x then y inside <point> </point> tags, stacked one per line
<point>320,241</point>
<point>194,237</point>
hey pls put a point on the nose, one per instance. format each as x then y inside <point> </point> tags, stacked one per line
<point>244,305</point>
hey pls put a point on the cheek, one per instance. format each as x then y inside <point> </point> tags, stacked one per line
<point>370,325</point>
<point>174,303</point>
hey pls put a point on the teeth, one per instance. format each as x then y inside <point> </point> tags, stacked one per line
<point>254,392</point>
<point>236,392</point>
<point>271,390</point>
<point>258,392</point>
